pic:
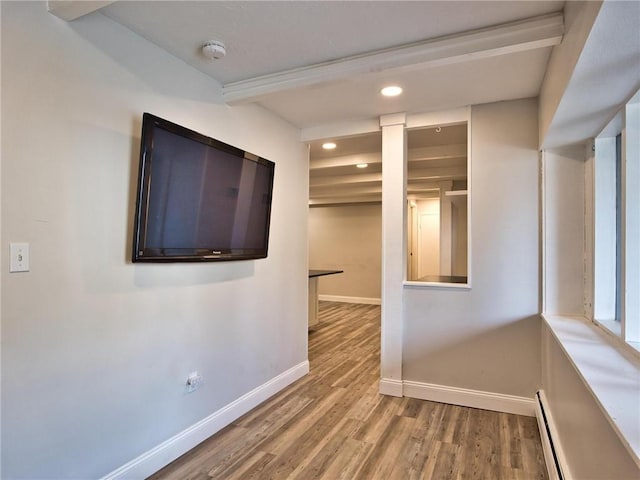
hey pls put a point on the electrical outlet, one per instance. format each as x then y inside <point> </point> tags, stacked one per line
<point>194,380</point>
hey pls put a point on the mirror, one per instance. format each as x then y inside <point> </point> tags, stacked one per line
<point>437,204</point>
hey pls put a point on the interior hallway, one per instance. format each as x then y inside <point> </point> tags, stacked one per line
<point>333,424</point>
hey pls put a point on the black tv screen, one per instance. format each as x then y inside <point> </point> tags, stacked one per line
<point>199,199</point>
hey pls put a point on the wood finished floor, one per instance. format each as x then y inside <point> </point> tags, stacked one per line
<point>333,424</point>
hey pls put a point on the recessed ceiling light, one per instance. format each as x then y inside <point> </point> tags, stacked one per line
<point>329,145</point>
<point>362,165</point>
<point>391,91</point>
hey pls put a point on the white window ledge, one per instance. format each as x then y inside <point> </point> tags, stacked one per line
<point>455,286</point>
<point>615,329</point>
<point>610,372</point>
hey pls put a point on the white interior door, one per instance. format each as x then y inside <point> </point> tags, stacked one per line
<point>429,243</point>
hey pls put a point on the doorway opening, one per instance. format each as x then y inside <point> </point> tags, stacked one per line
<point>345,217</point>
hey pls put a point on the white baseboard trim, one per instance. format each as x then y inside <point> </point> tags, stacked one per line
<point>389,386</point>
<point>497,402</point>
<point>553,455</point>
<point>163,454</point>
<point>339,298</point>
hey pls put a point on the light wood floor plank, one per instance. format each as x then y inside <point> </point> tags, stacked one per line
<point>334,425</point>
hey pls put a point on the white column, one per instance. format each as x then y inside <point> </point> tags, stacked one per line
<point>394,227</point>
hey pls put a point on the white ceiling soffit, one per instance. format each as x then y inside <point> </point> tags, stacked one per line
<point>605,77</point>
<point>520,36</point>
<point>70,10</point>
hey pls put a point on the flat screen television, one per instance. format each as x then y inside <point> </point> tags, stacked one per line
<point>199,199</point>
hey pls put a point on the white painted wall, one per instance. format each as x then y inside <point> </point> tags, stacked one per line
<point>347,238</point>
<point>591,448</point>
<point>564,227</point>
<point>488,338</point>
<point>96,350</point>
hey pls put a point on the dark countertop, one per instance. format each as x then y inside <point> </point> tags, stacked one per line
<point>320,273</point>
<point>442,279</point>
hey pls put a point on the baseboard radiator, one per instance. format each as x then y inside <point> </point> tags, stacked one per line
<point>552,452</point>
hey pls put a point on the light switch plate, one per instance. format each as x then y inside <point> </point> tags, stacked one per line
<point>19,257</point>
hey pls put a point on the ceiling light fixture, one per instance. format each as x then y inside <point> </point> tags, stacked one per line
<point>214,50</point>
<point>391,91</point>
<point>329,145</point>
<point>362,165</point>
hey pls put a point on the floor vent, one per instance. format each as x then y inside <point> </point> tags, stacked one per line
<point>551,454</point>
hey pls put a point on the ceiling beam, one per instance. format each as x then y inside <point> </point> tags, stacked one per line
<point>415,177</point>
<point>416,191</point>
<point>354,199</point>
<point>359,198</point>
<point>523,35</point>
<point>355,179</point>
<point>423,195</point>
<point>337,190</point>
<point>438,152</point>
<point>438,173</point>
<point>70,10</point>
<point>345,161</point>
<point>423,186</point>
<point>343,191</point>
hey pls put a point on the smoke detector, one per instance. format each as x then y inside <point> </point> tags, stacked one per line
<point>214,50</point>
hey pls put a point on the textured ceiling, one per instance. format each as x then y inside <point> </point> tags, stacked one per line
<point>270,37</point>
